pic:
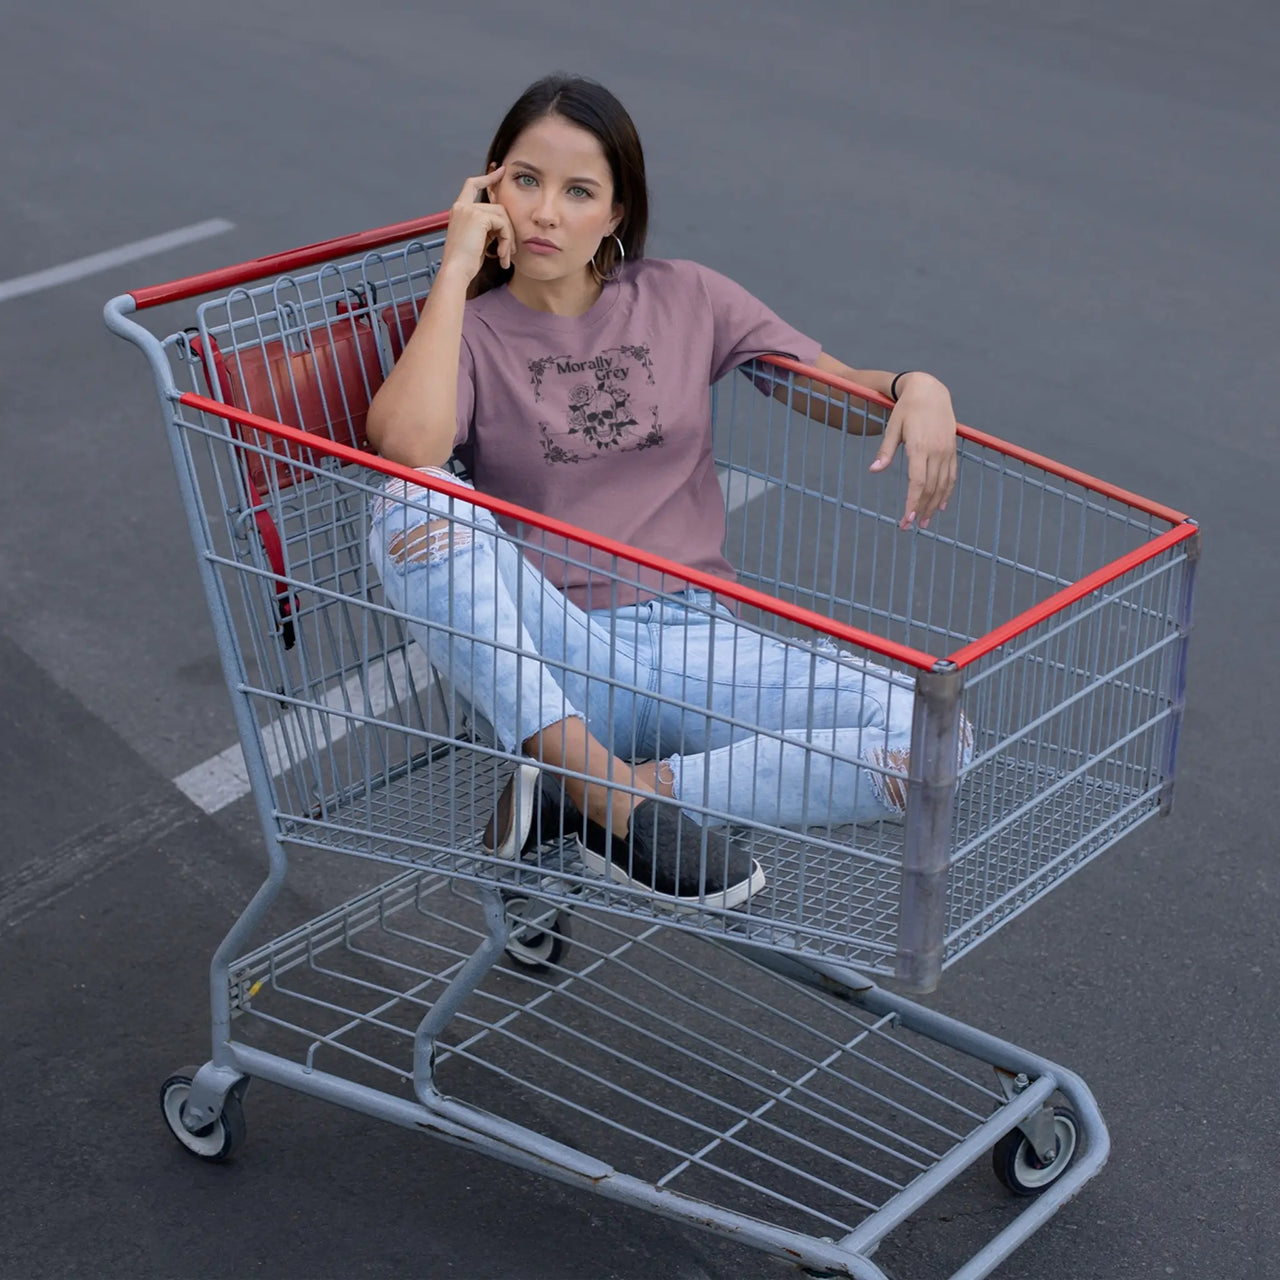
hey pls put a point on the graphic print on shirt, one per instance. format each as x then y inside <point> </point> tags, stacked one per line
<point>593,404</point>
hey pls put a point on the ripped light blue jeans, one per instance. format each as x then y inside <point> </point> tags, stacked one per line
<point>753,727</point>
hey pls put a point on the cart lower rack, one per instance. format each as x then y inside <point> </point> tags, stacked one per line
<point>731,1064</point>
<point>814,1117</point>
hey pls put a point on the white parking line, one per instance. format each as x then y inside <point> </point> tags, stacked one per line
<point>739,489</point>
<point>223,779</point>
<point>20,286</point>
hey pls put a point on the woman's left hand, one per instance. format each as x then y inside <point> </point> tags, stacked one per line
<point>924,423</point>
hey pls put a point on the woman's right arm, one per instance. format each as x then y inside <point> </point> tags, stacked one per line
<point>413,417</point>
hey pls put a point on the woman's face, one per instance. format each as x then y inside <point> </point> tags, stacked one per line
<point>558,192</point>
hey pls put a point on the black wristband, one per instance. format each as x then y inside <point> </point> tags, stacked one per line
<point>893,386</point>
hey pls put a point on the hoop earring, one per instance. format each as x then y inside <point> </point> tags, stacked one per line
<point>617,270</point>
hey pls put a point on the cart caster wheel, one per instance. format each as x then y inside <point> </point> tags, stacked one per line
<point>539,935</point>
<point>1017,1166</point>
<point>215,1142</point>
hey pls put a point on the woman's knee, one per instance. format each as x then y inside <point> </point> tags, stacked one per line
<point>867,694</point>
<point>430,542</point>
<point>433,529</point>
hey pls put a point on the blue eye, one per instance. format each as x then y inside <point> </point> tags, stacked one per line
<point>579,192</point>
<point>525,177</point>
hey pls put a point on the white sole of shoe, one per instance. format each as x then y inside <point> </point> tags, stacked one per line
<point>734,896</point>
<point>508,829</point>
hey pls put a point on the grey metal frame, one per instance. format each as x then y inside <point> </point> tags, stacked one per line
<point>1077,737</point>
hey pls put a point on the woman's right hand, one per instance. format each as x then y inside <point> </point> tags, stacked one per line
<point>475,225</point>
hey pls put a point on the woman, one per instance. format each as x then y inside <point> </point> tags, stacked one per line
<point>571,373</point>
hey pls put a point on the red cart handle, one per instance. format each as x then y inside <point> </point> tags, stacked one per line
<point>290,260</point>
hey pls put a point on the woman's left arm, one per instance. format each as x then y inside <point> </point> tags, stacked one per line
<point>922,421</point>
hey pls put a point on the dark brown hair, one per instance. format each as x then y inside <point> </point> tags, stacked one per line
<point>591,107</point>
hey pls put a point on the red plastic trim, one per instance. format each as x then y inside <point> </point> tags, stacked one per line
<point>290,260</point>
<point>1081,478</point>
<point>721,586</point>
<point>1069,595</point>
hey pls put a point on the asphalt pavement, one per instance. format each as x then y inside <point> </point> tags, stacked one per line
<point>1067,211</point>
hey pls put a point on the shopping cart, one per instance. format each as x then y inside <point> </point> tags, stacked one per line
<point>736,1069</point>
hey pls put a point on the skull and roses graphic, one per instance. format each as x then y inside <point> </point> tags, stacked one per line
<point>597,396</point>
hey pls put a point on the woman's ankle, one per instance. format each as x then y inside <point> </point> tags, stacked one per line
<point>568,745</point>
<point>656,776</point>
<point>653,778</point>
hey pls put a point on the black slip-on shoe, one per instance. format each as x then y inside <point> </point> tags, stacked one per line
<point>674,858</point>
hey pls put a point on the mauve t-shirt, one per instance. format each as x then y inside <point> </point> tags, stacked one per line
<point>603,420</point>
